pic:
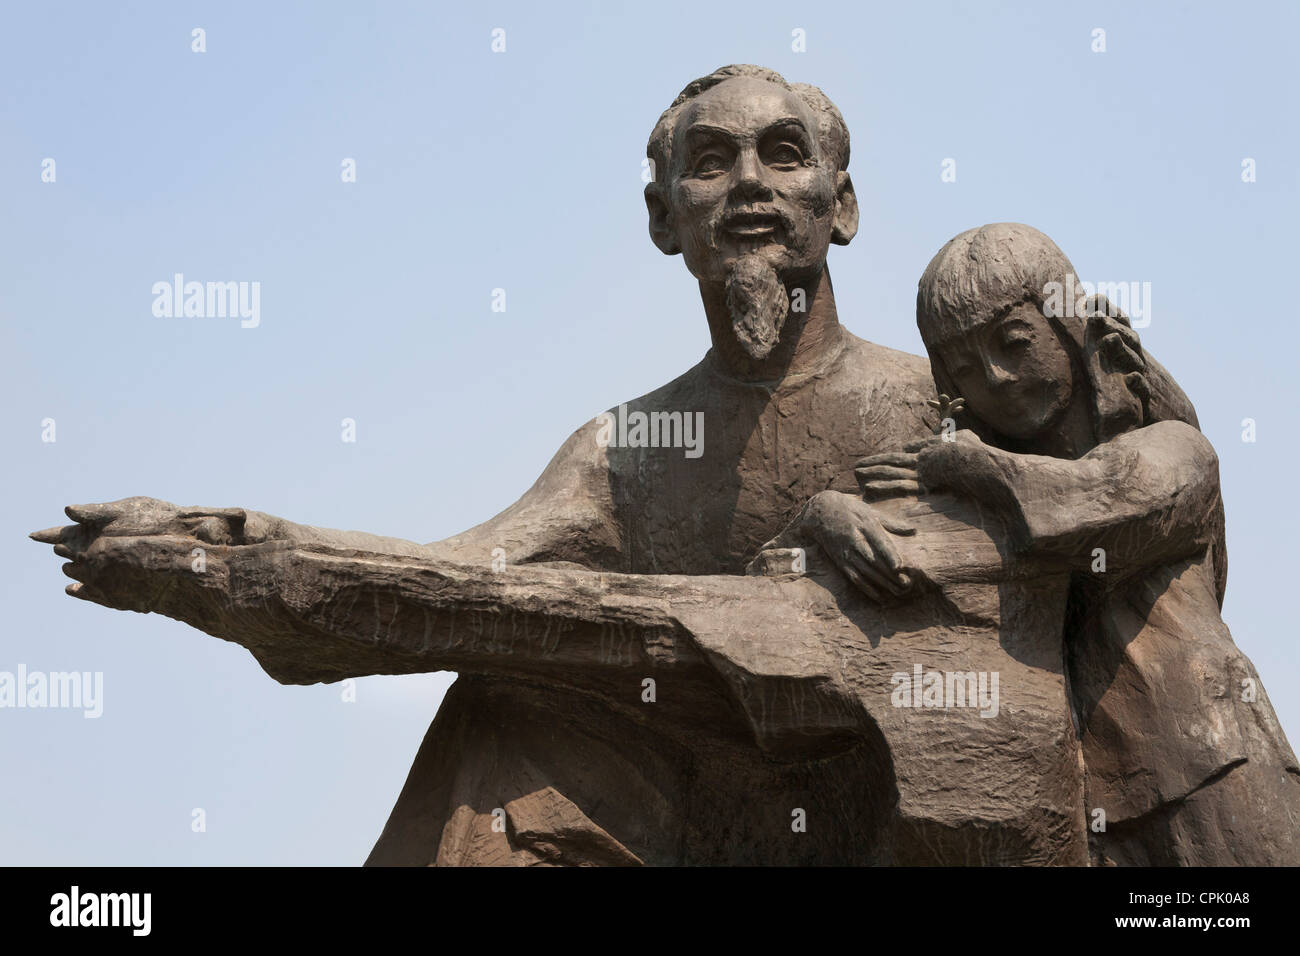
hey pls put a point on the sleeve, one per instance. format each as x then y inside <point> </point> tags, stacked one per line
<point>1149,496</point>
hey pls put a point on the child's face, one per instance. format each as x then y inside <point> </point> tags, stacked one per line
<point>1013,371</point>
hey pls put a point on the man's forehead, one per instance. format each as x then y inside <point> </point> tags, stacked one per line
<point>744,105</point>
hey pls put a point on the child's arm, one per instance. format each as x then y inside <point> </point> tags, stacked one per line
<point>1145,497</point>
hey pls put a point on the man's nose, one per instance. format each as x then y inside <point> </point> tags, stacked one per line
<point>749,177</point>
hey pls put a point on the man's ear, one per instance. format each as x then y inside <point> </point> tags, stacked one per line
<point>845,226</point>
<point>661,227</point>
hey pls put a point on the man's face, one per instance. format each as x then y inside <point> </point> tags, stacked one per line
<point>748,176</point>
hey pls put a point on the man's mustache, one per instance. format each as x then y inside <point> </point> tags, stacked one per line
<point>753,215</point>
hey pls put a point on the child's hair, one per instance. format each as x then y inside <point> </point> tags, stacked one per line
<point>985,271</point>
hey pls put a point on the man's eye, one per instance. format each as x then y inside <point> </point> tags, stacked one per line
<point>710,163</point>
<point>1015,341</point>
<point>785,155</point>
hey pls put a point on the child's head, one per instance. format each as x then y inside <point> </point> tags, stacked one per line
<point>980,311</point>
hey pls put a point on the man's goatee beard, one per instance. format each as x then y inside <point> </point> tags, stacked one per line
<point>758,303</point>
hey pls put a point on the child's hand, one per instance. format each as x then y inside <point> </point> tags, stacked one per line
<point>956,462</point>
<point>898,473</point>
<point>895,473</point>
<point>890,475</point>
<point>1119,345</point>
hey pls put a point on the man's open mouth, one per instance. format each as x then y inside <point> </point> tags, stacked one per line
<point>752,225</point>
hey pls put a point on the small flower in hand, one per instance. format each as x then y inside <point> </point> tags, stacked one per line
<point>947,409</point>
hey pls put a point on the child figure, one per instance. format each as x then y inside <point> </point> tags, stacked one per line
<point>1070,436</point>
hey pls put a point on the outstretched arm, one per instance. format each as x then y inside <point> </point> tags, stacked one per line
<point>147,555</point>
<point>311,612</point>
<point>566,516</point>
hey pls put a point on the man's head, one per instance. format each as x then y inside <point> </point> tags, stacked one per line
<point>751,187</point>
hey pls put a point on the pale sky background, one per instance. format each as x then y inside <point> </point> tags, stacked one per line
<point>522,170</point>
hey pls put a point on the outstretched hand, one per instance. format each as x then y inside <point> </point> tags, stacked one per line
<point>126,554</point>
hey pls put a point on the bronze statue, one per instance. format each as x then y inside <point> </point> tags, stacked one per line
<point>921,667</point>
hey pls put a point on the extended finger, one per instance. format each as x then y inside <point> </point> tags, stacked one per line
<point>1100,307</point>
<point>1128,334</point>
<point>1117,339</point>
<point>877,490</point>
<point>864,566</point>
<point>884,473</point>
<point>69,540</point>
<point>917,445</point>
<point>861,584</point>
<point>898,526</point>
<point>86,592</point>
<point>54,535</point>
<point>95,515</point>
<point>1105,325</point>
<point>876,539</point>
<point>1120,352</point>
<point>1137,382</point>
<point>230,514</point>
<point>898,459</point>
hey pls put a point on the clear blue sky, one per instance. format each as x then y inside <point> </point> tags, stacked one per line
<point>522,170</point>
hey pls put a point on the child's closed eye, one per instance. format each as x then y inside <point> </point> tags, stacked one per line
<point>1015,336</point>
<point>958,367</point>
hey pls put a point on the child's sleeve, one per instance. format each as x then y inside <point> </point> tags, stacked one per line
<point>1146,497</point>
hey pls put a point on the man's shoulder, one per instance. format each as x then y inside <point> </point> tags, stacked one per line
<point>683,394</point>
<point>687,387</point>
<point>886,365</point>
